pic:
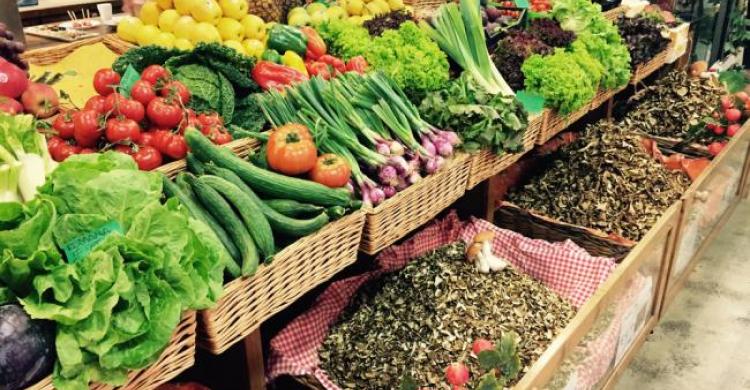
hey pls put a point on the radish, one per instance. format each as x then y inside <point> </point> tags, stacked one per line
<point>457,374</point>
<point>718,130</point>
<point>733,114</point>
<point>715,148</point>
<point>480,345</point>
<point>733,129</point>
<point>742,95</point>
<point>726,102</point>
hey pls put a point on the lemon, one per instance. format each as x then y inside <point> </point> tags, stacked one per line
<point>236,45</point>
<point>230,29</point>
<point>315,7</point>
<point>165,4</point>
<point>150,13</point>
<point>184,6</point>
<point>147,35</point>
<point>255,27</point>
<point>396,5</point>
<point>235,9</point>
<point>298,19</point>
<point>206,11</point>
<point>336,13</point>
<point>354,7</point>
<point>164,39</point>
<point>205,32</point>
<point>254,47</point>
<point>167,20</point>
<point>183,27</point>
<point>372,8</point>
<point>183,44</point>
<point>383,7</point>
<point>128,28</point>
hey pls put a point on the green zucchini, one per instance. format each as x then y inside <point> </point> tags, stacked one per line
<point>271,184</point>
<point>251,214</point>
<point>197,211</point>
<point>223,212</point>
<point>292,208</point>
<point>280,223</point>
<point>194,165</point>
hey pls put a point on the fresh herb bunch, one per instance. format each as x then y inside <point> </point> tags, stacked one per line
<point>483,120</point>
<point>390,21</point>
<point>567,80</point>
<point>550,32</point>
<point>410,58</point>
<point>512,51</point>
<point>643,38</point>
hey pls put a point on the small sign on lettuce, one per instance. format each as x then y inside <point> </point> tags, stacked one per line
<point>79,247</point>
<point>128,79</point>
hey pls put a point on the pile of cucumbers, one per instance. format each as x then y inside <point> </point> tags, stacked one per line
<point>248,207</point>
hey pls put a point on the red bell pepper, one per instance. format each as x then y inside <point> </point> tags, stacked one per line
<point>317,68</point>
<point>316,47</point>
<point>336,63</point>
<point>270,75</point>
<point>357,64</point>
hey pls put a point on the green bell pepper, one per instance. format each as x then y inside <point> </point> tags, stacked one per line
<point>282,38</point>
<point>272,56</point>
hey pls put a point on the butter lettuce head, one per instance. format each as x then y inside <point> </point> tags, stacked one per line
<point>117,306</point>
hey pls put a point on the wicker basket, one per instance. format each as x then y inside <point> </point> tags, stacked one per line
<point>176,358</point>
<point>486,164</point>
<point>644,70</point>
<point>54,54</point>
<point>603,96</point>
<point>614,13</point>
<point>305,264</point>
<point>415,206</point>
<point>241,147</point>
<point>530,224</point>
<point>555,123</point>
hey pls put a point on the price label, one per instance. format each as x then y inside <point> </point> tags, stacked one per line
<point>79,247</point>
<point>128,79</point>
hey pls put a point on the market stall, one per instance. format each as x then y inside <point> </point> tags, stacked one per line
<point>182,181</point>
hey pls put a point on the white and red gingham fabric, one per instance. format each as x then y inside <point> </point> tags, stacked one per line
<point>563,267</point>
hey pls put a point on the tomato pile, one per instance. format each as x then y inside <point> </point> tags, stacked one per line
<point>149,125</point>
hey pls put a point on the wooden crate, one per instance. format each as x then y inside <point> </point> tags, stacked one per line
<point>53,55</point>
<point>297,269</point>
<point>415,206</point>
<point>176,358</point>
<point>708,204</point>
<point>593,350</point>
<point>486,164</point>
<point>644,70</point>
<point>554,123</point>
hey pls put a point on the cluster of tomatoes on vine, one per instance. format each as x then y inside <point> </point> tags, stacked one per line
<point>148,126</point>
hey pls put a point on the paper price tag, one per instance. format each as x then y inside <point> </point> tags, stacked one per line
<point>128,79</point>
<point>79,247</point>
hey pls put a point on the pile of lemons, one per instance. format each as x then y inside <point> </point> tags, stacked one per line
<point>182,24</point>
<point>356,11</point>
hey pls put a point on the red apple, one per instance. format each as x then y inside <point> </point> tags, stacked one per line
<point>733,129</point>
<point>40,100</point>
<point>457,374</point>
<point>11,106</point>
<point>13,80</point>
<point>726,102</point>
<point>480,345</point>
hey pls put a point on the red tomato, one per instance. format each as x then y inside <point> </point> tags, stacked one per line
<point>122,129</point>
<point>87,130</point>
<point>175,89</point>
<point>64,151</point>
<point>159,138</point>
<point>64,125</point>
<point>133,109</point>
<point>54,142</point>
<point>147,158</point>
<point>97,103</point>
<point>192,121</point>
<point>142,91</point>
<point>210,119</point>
<point>157,75</point>
<point>715,148</point>
<point>105,81</point>
<point>146,139</point>
<point>126,149</point>
<point>164,114</point>
<point>114,103</point>
<point>220,137</point>
<point>290,150</point>
<point>174,146</point>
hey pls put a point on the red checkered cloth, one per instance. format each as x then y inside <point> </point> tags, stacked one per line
<point>563,267</point>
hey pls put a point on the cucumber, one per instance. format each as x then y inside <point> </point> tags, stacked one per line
<point>335,212</point>
<point>194,165</point>
<point>292,208</point>
<point>219,208</point>
<point>197,211</point>
<point>280,223</point>
<point>250,213</point>
<point>269,183</point>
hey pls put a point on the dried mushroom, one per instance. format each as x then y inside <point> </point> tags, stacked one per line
<point>414,323</point>
<point>604,180</point>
